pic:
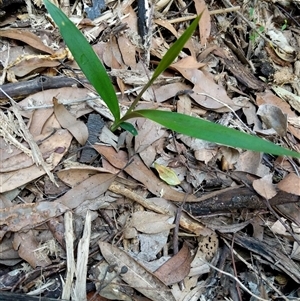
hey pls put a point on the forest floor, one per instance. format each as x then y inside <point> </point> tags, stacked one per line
<point>87,214</point>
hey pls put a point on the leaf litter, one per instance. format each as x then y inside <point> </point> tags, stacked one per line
<point>155,216</point>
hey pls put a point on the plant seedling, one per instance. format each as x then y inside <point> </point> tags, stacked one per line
<point>95,72</point>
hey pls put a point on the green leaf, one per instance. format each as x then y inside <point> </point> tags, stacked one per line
<point>202,129</point>
<point>129,127</point>
<point>168,58</point>
<point>173,52</point>
<point>86,58</point>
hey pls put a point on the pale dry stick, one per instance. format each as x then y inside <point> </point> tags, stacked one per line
<point>37,292</point>
<point>37,156</point>
<point>5,64</point>
<point>290,231</point>
<point>238,289</point>
<point>69,238</point>
<point>228,107</point>
<point>235,279</point>
<point>186,222</point>
<point>225,10</point>
<point>65,6</point>
<point>74,7</point>
<point>120,189</point>
<point>5,132</point>
<point>213,12</point>
<point>250,267</point>
<point>82,260</point>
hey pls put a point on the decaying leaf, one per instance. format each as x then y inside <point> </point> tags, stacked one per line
<point>135,274</point>
<point>90,188</point>
<point>273,118</point>
<point>176,268</point>
<point>150,222</point>
<point>290,184</point>
<point>29,215</point>
<point>265,187</point>
<point>53,149</point>
<point>28,249</point>
<point>289,97</point>
<point>167,174</point>
<point>138,170</point>
<point>68,121</point>
<point>27,37</point>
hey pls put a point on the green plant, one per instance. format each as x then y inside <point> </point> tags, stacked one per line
<point>284,25</point>
<point>255,34</point>
<point>187,125</point>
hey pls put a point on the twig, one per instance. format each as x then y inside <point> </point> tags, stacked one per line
<point>228,107</point>
<point>69,238</point>
<point>37,156</point>
<point>213,12</point>
<point>250,267</point>
<point>281,221</point>
<point>236,279</point>
<point>234,269</point>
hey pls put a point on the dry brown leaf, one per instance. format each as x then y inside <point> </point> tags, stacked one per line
<point>117,60</point>
<point>290,184</point>
<point>136,275</point>
<point>30,63</point>
<point>65,94</point>
<point>89,189</point>
<point>229,157</point>
<point>76,127</point>
<point>205,154</point>
<point>273,118</point>
<point>27,37</point>
<point>138,170</point>
<point>74,175</point>
<point>112,56</point>
<point>176,268</point>
<point>291,98</point>
<point>53,149</point>
<point>150,222</point>
<point>204,83</point>
<point>166,24</point>
<point>127,50</point>
<point>265,187</point>
<point>38,120</point>
<point>8,255</point>
<point>29,215</point>
<point>204,22</point>
<point>130,18</point>
<point>165,92</point>
<point>149,132</point>
<point>28,248</point>
<point>250,162</point>
<point>268,97</point>
<point>188,62</point>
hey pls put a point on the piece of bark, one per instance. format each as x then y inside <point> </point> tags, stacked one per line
<point>20,90</point>
<point>4,296</point>
<point>4,3</point>
<point>95,125</point>
<point>242,73</point>
<point>273,255</point>
<point>229,200</point>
